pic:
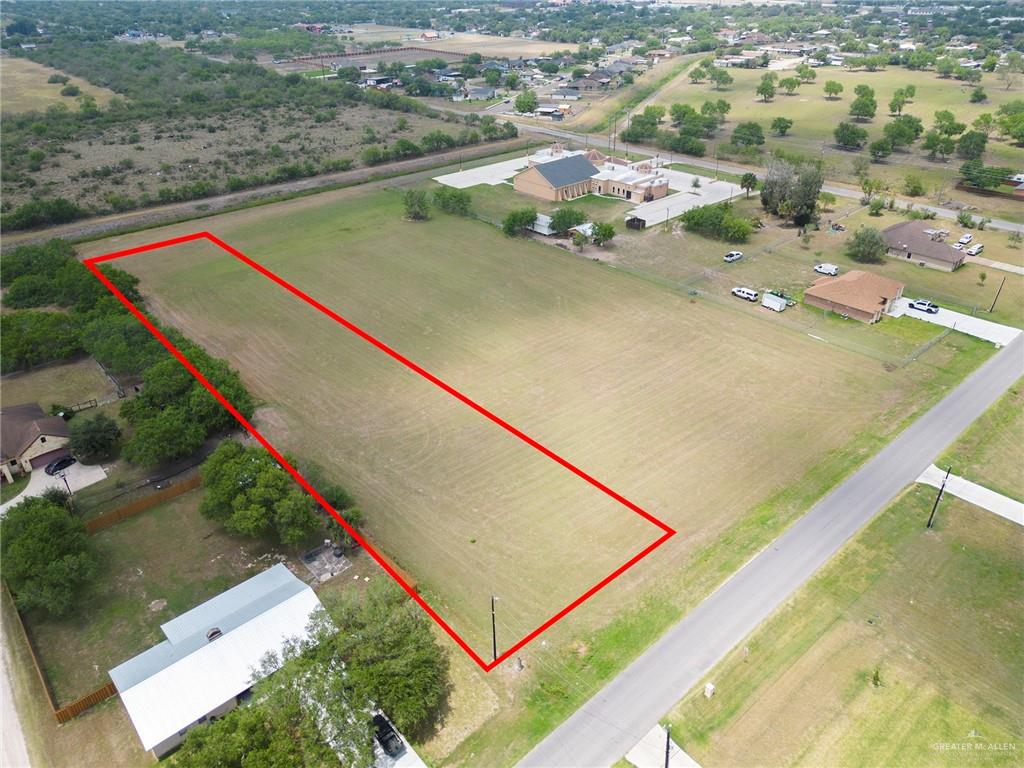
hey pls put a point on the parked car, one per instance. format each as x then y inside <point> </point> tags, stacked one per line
<point>732,256</point>
<point>387,737</point>
<point>58,464</point>
<point>827,269</point>
<point>975,249</point>
<point>957,246</point>
<point>921,305</point>
<point>745,293</point>
<point>965,239</point>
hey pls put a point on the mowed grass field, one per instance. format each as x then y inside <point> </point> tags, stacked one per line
<point>937,613</point>
<point>658,396</point>
<point>989,452</point>
<point>66,384</point>
<point>815,118</point>
<point>24,87</point>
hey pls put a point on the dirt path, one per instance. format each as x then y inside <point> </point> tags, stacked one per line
<point>412,170</point>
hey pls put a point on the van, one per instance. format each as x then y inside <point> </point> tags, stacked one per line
<point>975,249</point>
<point>745,293</point>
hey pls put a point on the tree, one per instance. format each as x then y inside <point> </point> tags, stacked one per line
<point>978,95</point>
<point>792,192</point>
<point>169,434</point>
<point>717,221</point>
<point>789,84</point>
<point>1009,72</point>
<point>880,149</point>
<point>850,136</point>
<point>909,92</point>
<point>748,135</point>
<point>903,131</point>
<point>971,146</point>
<point>806,72</point>
<point>945,67</point>
<point>45,556</point>
<point>519,221</point>
<point>565,218</point>
<point>832,89</point>
<point>946,124</point>
<point>826,201</point>
<point>248,493</point>
<point>603,233</point>
<point>863,108</point>
<point>492,77</point>
<point>766,89</point>
<point>417,208</point>
<point>937,144</point>
<point>511,81</point>
<point>864,91</point>
<point>781,125</point>
<point>526,102</point>
<point>698,74</point>
<point>720,78</point>
<point>984,123</point>
<point>94,439</point>
<point>867,246</point>
<point>897,103</point>
<point>451,200</point>
<point>748,182</point>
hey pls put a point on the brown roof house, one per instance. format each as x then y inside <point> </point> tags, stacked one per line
<point>863,296</point>
<point>29,439</point>
<point>920,242</point>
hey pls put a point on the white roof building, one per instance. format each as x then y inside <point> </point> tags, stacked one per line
<point>212,656</point>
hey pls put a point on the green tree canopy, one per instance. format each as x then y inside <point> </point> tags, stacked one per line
<point>94,439</point>
<point>867,246</point>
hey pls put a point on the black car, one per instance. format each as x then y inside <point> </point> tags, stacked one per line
<point>56,466</point>
<point>387,737</point>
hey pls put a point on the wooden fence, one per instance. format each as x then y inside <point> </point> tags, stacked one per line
<point>139,505</point>
<point>75,708</point>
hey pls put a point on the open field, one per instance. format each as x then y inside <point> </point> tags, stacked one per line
<point>938,614</point>
<point>989,452</point>
<point>25,88</point>
<point>66,384</point>
<point>816,117</point>
<point>646,388</point>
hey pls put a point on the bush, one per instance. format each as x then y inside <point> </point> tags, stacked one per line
<point>455,201</point>
<point>719,222</point>
<point>94,439</point>
<point>70,90</point>
<point>519,221</point>
<point>416,205</point>
<point>866,246</point>
<point>913,186</point>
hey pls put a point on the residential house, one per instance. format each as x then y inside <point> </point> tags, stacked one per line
<point>565,94</point>
<point>585,85</point>
<point>29,439</point>
<point>919,242</point>
<point>212,656</point>
<point>864,296</point>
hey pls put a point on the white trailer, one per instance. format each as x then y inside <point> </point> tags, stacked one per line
<point>773,302</point>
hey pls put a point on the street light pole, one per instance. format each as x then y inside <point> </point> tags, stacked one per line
<point>494,631</point>
<point>938,497</point>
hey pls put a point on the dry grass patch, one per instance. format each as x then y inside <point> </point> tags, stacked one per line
<point>25,88</point>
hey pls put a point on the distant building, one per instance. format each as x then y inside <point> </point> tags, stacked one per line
<point>29,439</point>
<point>861,295</point>
<point>919,242</point>
<point>557,180</point>
<point>212,656</point>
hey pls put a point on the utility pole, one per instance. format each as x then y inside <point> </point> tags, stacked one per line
<point>998,291</point>
<point>494,631</point>
<point>668,742</point>
<point>938,497</point>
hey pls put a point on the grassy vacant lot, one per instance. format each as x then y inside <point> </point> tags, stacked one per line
<point>815,118</point>
<point>989,452</point>
<point>25,88</point>
<point>939,616</point>
<point>154,566</point>
<point>654,392</point>
<point>61,384</point>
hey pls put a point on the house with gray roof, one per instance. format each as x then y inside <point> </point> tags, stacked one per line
<point>918,242</point>
<point>212,656</point>
<point>29,439</point>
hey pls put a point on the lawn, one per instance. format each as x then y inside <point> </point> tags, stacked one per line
<point>67,384</point>
<point>938,614</point>
<point>154,566</point>
<point>493,203</point>
<point>989,452</point>
<point>25,87</point>
<point>9,490</point>
<point>657,393</point>
<point>816,117</point>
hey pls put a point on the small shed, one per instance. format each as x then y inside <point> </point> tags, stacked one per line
<point>773,302</point>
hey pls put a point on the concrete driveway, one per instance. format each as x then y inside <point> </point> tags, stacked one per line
<point>709,192</point>
<point>973,326</point>
<point>78,475</point>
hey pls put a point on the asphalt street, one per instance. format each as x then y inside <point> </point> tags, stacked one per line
<point>835,189</point>
<point>617,717</point>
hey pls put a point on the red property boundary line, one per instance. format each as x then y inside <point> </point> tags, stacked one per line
<point>668,532</point>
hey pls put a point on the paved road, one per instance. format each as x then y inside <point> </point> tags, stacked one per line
<point>604,728</point>
<point>835,189</point>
